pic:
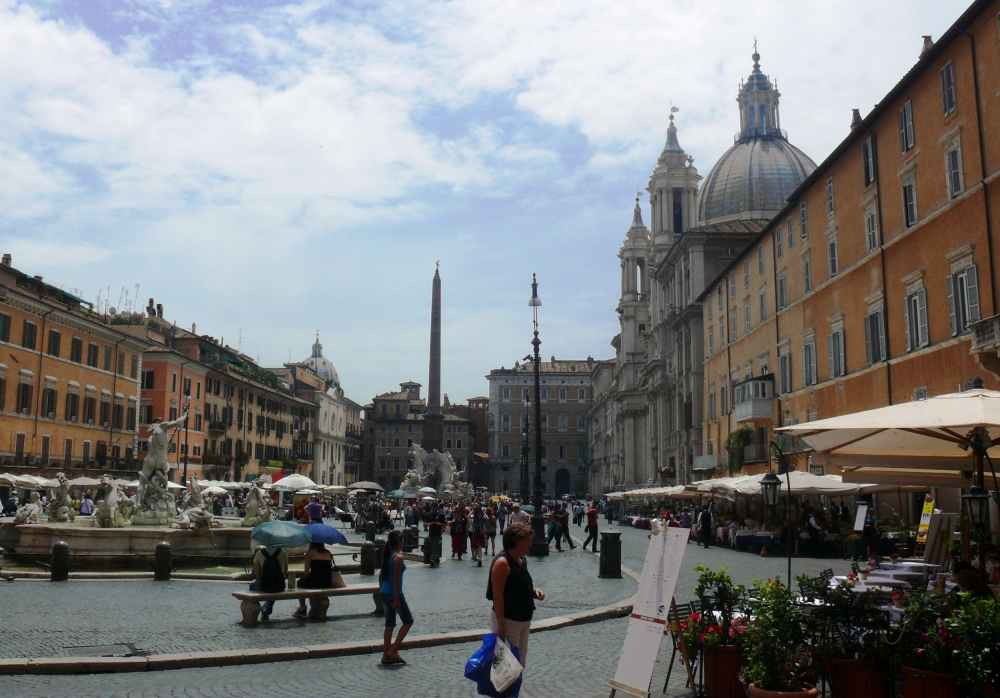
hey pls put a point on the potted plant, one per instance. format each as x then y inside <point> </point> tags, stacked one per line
<point>851,624</point>
<point>951,651</point>
<point>778,666</point>
<point>898,597</point>
<point>722,643</point>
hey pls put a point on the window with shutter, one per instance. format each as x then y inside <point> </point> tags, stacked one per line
<point>953,164</point>
<point>829,196</point>
<point>963,299</point>
<point>785,373</point>
<point>837,351</point>
<point>791,235</point>
<point>874,337</point>
<point>806,274</point>
<point>809,376</point>
<point>834,261</point>
<point>803,220</point>
<point>868,161</point>
<point>779,243</point>
<point>906,139</point>
<point>871,231</point>
<point>909,203</point>
<point>948,88</point>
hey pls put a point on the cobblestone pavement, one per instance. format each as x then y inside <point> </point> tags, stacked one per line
<point>574,662</point>
<point>42,618</point>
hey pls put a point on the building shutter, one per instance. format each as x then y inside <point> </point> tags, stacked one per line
<point>923,339</point>
<point>869,338</point>
<point>902,130</point>
<point>829,343</point>
<point>972,284</point>
<point>950,281</point>
<point>882,354</point>
<point>805,365</point>
<point>906,323</point>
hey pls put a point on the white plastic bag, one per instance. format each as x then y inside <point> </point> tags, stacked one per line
<point>506,668</point>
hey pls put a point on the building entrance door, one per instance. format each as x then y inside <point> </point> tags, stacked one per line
<point>562,482</point>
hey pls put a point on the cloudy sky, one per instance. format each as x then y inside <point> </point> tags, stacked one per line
<point>274,168</point>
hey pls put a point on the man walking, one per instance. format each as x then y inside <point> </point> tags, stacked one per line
<point>591,529</point>
<point>434,524</point>
<point>564,524</point>
<point>518,516</point>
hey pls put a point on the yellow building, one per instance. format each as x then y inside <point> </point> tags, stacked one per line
<point>69,382</point>
<point>865,289</point>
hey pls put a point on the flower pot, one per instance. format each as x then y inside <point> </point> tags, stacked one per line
<point>754,692</point>
<point>899,603</point>
<point>918,683</point>
<point>857,678</point>
<point>864,576</point>
<point>722,672</point>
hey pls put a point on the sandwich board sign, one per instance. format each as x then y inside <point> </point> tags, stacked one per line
<point>650,611</point>
<point>925,518</point>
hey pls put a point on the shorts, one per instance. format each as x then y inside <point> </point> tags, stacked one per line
<point>390,612</point>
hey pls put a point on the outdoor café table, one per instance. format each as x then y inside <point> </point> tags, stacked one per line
<point>909,565</point>
<point>895,574</point>
<point>870,583</point>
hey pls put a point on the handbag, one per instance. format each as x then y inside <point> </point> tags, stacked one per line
<point>506,669</point>
<point>337,579</point>
<point>480,665</point>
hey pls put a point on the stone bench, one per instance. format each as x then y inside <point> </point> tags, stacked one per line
<point>319,600</point>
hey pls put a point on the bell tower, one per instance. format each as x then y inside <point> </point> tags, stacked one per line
<point>673,189</point>
<point>633,307</point>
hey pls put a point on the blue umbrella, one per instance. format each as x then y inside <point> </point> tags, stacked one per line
<point>328,535</point>
<point>281,534</point>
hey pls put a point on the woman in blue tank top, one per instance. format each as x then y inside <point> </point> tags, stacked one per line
<point>393,601</point>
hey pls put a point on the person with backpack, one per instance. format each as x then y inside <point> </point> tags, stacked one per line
<point>390,579</point>
<point>270,566</point>
<point>477,530</point>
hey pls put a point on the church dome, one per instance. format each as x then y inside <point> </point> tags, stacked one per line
<point>755,177</point>
<point>322,366</point>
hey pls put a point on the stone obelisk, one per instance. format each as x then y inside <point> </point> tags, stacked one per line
<point>434,420</point>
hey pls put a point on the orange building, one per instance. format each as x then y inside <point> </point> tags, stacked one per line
<point>865,289</point>
<point>69,382</point>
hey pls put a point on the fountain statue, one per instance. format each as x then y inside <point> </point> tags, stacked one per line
<point>110,511</point>
<point>194,511</point>
<point>439,468</point>
<point>31,512</point>
<point>156,504</point>
<point>258,509</point>
<point>60,509</point>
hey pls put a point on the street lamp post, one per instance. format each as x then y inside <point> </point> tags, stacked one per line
<point>525,450</point>
<point>539,546</point>
<point>774,483</point>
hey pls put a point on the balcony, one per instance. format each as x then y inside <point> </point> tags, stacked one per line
<point>707,462</point>
<point>753,399</point>
<point>755,453</point>
<point>986,344</point>
<point>216,425</point>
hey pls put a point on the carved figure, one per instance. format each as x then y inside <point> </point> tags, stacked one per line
<point>156,505</point>
<point>258,508</point>
<point>411,483</point>
<point>194,512</point>
<point>61,507</point>
<point>109,512</point>
<point>31,512</point>
<point>436,468</point>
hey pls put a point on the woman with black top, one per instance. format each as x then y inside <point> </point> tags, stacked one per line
<point>318,572</point>
<point>511,590</point>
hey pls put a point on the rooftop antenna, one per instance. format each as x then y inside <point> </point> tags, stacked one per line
<point>239,344</point>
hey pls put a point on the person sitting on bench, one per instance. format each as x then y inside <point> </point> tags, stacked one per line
<point>270,565</point>
<point>318,570</point>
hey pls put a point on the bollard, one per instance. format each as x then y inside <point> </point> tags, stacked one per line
<point>427,547</point>
<point>407,541</point>
<point>415,533</point>
<point>370,531</point>
<point>379,544</point>
<point>367,558</point>
<point>162,562</point>
<point>60,562</point>
<point>611,555</point>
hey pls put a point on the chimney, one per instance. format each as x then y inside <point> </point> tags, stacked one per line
<point>151,308</point>
<point>855,118</point>
<point>194,328</point>
<point>553,359</point>
<point>927,45</point>
<point>159,310</point>
<point>6,259</point>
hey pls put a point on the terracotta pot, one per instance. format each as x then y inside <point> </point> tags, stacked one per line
<point>754,692</point>
<point>857,678</point>
<point>918,683</point>
<point>722,672</point>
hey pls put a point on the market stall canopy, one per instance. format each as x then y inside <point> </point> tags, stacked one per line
<point>84,481</point>
<point>722,484</point>
<point>295,482</point>
<point>930,434</point>
<point>803,483</point>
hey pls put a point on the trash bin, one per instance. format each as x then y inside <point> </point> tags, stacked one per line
<point>611,555</point>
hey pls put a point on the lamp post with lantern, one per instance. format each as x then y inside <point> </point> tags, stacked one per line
<point>770,486</point>
<point>539,546</point>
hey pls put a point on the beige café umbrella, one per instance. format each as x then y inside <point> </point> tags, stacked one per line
<point>946,434</point>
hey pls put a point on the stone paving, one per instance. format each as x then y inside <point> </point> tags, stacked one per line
<point>193,616</point>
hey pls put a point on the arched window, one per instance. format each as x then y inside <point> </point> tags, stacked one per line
<point>763,116</point>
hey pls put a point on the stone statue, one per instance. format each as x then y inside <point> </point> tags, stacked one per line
<point>436,467</point>
<point>109,512</point>
<point>61,509</point>
<point>156,505</point>
<point>31,512</point>
<point>258,509</point>
<point>195,513</point>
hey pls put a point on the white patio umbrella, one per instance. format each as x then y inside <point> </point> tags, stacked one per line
<point>84,481</point>
<point>295,482</point>
<point>428,490</point>
<point>803,483</point>
<point>215,490</point>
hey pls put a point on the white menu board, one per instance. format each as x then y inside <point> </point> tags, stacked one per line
<point>649,613</point>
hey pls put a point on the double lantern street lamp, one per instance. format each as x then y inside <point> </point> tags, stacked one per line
<point>539,546</point>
